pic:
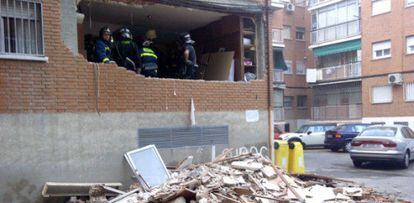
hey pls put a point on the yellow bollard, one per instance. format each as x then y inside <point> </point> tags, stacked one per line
<point>296,158</point>
<point>281,154</point>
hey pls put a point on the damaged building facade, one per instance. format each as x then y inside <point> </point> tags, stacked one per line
<point>66,119</point>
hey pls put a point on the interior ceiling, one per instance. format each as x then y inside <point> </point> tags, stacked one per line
<point>164,17</point>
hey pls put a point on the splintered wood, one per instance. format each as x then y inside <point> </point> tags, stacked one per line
<point>250,178</point>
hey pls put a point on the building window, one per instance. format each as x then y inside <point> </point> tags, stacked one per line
<point>286,32</point>
<point>289,67</point>
<point>21,31</point>
<point>381,94</point>
<point>300,33</point>
<point>409,91</point>
<point>380,6</point>
<point>300,67</point>
<point>381,50</point>
<point>301,101</point>
<point>278,98</point>
<point>301,3</point>
<point>409,2</point>
<point>410,45</point>
<point>288,101</point>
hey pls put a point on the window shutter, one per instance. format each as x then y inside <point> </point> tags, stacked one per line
<point>409,91</point>
<point>382,94</point>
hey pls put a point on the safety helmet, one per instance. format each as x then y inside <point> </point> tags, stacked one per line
<point>104,30</point>
<point>151,35</point>
<point>125,33</point>
<point>186,38</point>
<point>147,43</point>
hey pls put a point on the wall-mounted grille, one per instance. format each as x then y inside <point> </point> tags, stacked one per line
<point>182,137</point>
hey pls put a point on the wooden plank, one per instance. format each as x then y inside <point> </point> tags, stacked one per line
<point>67,189</point>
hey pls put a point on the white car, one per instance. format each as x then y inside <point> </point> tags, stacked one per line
<point>310,135</point>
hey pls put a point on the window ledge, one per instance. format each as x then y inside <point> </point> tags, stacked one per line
<point>409,53</point>
<point>380,14</point>
<point>381,103</point>
<point>381,58</point>
<point>24,57</point>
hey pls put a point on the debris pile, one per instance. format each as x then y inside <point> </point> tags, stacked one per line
<point>247,178</point>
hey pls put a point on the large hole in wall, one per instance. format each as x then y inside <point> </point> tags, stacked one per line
<point>225,43</point>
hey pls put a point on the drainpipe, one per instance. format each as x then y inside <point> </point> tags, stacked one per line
<point>269,79</point>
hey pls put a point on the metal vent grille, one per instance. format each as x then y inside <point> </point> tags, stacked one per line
<point>181,137</point>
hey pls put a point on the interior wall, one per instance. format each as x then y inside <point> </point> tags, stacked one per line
<point>69,25</point>
<point>224,33</point>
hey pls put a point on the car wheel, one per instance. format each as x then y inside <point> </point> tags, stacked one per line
<point>406,161</point>
<point>357,163</point>
<point>347,147</point>
<point>334,149</point>
<point>297,140</point>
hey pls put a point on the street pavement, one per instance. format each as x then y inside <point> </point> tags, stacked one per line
<point>386,178</point>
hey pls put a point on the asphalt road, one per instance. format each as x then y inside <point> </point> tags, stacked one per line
<point>383,177</point>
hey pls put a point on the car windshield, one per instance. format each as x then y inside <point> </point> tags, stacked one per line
<point>379,131</point>
<point>302,129</point>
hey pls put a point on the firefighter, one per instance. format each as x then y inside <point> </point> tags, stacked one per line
<point>126,51</point>
<point>189,57</point>
<point>149,60</point>
<point>103,46</point>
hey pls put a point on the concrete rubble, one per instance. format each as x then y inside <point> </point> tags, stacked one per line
<point>247,178</point>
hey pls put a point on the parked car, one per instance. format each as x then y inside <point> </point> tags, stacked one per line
<point>341,136</point>
<point>383,143</point>
<point>310,135</point>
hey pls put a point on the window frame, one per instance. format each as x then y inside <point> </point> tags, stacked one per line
<point>300,30</point>
<point>304,67</point>
<point>382,102</point>
<point>383,56</point>
<point>380,13</point>
<point>291,102</point>
<point>406,99</point>
<point>289,64</point>
<point>409,4</point>
<point>305,101</point>
<point>287,28</point>
<point>40,52</point>
<point>411,40</point>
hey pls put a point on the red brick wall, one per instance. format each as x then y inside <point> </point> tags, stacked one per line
<point>66,83</point>
<point>395,26</point>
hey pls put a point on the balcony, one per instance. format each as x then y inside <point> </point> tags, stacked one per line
<point>336,32</point>
<point>278,76</point>
<point>278,114</point>
<point>277,3</point>
<point>341,72</point>
<point>313,3</point>
<point>340,112</point>
<point>298,113</point>
<point>277,37</point>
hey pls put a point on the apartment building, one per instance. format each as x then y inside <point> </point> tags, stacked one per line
<point>388,61</point>
<point>336,45</point>
<point>292,98</point>
<point>64,118</point>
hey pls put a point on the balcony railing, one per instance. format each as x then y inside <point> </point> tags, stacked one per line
<point>336,32</point>
<point>298,113</point>
<point>277,36</point>
<point>278,114</point>
<point>345,71</point>
<point>315,2</point>
<point>340,112</point>
<point>278,76</point>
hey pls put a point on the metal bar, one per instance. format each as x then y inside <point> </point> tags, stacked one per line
<point>23,33</point>
<point>42,30</point>
<point>35,25</point>
<point>8,27</point>
<point>15,27</point>
<point>28,25</point>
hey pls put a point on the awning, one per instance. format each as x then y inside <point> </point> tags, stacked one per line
<point>279,61</point>
<point>338,48</point>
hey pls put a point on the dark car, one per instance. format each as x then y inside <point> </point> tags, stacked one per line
<point>341,136</point>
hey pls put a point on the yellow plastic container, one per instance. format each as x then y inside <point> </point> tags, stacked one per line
<point>296,158</point>
<point>281,154</point>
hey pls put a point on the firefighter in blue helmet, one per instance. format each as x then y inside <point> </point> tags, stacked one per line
<point>126,51</point>
<point>103,46</point>
<point>149,60</point>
